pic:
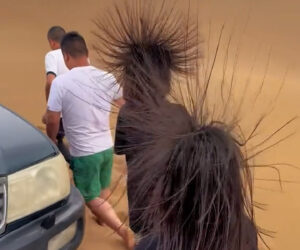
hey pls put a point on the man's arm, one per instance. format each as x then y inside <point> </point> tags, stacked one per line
<point>49,78</point>
<point>52,126</point>
<point>51,71</point>
<point>116,92</point>
<point>54,110</point>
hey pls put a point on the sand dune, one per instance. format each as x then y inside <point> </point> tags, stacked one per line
<point>260,26</point>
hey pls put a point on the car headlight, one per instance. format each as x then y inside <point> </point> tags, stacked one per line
<point>37,187</point>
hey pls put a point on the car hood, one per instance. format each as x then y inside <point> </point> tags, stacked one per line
<point>21,144</point>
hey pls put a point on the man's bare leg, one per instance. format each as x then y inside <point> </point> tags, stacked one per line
<point>104,211</point>
<point>105,194</point>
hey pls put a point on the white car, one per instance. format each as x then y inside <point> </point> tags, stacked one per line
<point>39,208</point>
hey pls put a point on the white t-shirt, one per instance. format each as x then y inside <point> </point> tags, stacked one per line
<point>54,63</point>
<point>84,96</point>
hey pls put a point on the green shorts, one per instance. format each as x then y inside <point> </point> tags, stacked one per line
<point>92,173</point>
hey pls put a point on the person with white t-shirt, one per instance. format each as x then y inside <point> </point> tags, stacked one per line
<point>83,96</point>
<point>54,60</point>
<point>55,66</point>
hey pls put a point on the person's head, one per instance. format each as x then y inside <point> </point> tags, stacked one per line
<point>145,50</point>
<point>74,50</point>
<point>54,36</point>
<point>148,71</point>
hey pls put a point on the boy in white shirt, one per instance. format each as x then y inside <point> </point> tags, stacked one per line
<point>55,66</point>
<point>54,60</point>
<point>83,96</point>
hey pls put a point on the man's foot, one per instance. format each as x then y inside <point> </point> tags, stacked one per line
<point>128,237</point>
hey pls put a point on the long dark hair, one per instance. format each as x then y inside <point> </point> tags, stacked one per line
<point>202,195</point>
<point>192,168</point>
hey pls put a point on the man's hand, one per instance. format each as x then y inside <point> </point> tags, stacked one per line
<point>44,118</point>
<point>52,125</point>
<point>119,102</point>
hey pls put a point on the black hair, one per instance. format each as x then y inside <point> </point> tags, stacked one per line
<point>193,183</point>
<point>74,45</point>
<point>139,47</point>
<point>202,194</point>
<point>56,33</point>
<point>186,174</point>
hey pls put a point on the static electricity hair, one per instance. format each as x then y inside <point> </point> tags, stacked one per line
<point>137,46</point>
<point>189,160</point>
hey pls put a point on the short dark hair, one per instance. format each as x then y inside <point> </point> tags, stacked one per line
<point>74,45</point>
<point>56,33</point>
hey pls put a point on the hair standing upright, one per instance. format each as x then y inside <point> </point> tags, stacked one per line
<point>143,57</point>
<point>191,165</point>
<point>138,46</point>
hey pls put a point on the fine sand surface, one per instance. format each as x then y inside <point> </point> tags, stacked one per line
<point>262,28</point>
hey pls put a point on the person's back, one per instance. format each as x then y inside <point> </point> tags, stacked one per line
<point>87,94</point>
<point>134,141</point>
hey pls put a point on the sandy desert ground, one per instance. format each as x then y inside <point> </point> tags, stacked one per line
<point>262,27</point>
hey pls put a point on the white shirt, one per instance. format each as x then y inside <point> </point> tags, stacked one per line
<point>54,63</point>
<point>84,96</point>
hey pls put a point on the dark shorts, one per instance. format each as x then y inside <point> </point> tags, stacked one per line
<point>92,173</point>
<point>61,132</point>
<point>60,142</point>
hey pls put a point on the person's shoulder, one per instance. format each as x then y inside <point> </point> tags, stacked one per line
<point>49,54</point>
<point>96,69</point>
<point>54,53</point>
<point>56,80</point>
<point>61,78</point>
<point>106,78</point>
<point>102,72</point>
